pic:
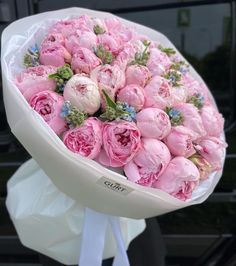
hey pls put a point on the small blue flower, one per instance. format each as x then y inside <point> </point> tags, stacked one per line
<point>65,110</point>
<point>174,113</point>
<point>34,49</point>
<point>131,112</point>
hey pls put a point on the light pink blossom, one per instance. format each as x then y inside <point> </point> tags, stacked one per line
<point>153,123</point>
<point>121,142</point>
<point>213,150</point>
<point>48,104</point>
<point>86,139</point>
<point>137,74</point>
<point>35,79</point>
<point>179,179</point>
<point>56,55</point>
<point>133,95</point>
<point>213,121</point>
<point>149,163</point>
<point>82,93</point>
<point>83,60</point>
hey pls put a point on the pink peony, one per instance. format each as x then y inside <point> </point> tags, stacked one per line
<point>66,27</point>
<point>85,39</point>
<point>180,141</point>
<point>128,52</point>
<point>35,79</point>
<point>109,78</point>
<point>83,60</point>
<point>133,95</point>
<point>52,40</point>
<point>179,179</point>
<point>191,118</point>
<point>48,104</point>
<point>153,123</point>
<point>56,55</point>
<point>121,142</point>
<point>178,95</point>
<point>149,163</point>
<point>82,93</point>
<point>157,93</point>
<point>213,121</point>
<point>137,74</point>
<point>203,166</point>
<point>213,150</point>
<point>109,43</point>
<point>86,139</point>
<point>158,62</point>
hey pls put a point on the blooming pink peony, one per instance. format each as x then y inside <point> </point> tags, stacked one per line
<point>48,104</point>
<point>153,123</point>
<point>178,95</point>
<point>83,60</point>
<point>52,40</point>
<point>66,27</point>
<point>109,78</point>
<point>213,121</point>
<point>35,79</point>
<point>121,142</point>
<point>82,93</point>
<point>180,141</point>
<point>158,93</point>
<point>109,43</point>
<point>85,39</point>
<point>158,62</point>
<point>149,163</point>
<point>133,95</point>
<point>192,118</point>
<point>179,179</point>
<point>137,74</point>
<point>56,55</point>
<point>212,149</point>
<point>86,139</point>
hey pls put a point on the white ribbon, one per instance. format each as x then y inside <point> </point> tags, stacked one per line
<point>93,239</point>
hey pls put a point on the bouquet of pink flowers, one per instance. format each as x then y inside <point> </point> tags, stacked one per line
<point>124,100</point>
<point>121,103</point>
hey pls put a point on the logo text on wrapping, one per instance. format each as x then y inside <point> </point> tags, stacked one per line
<point>117,187</point>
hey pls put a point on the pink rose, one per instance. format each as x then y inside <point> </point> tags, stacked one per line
<point>180,141</point>
<point>35,79</point>
<point>153,123</point>
<point>137,74</point>
<point>158,62</point>
<point>157,93</point>
<point>121,142</point>
<point>213,121</point>
<point>82,93</point>
<point>203,166</point>
<point>85,39</point>
<point>213,150</point>
<point>52,40</point>
<point>86,139</point>
<point>83,60</point>
<point>192,118</point>
<point>179,179</point>
<point>149,163</point>
<point>48,104</point>
<point>133,95</point>
<point>56,55</point>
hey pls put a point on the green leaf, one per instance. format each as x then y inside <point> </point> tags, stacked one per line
<point>98,30</point>
<point>109,101</point>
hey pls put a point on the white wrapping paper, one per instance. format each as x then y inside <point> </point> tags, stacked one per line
<point>84,180</point>
<point>50,222</point>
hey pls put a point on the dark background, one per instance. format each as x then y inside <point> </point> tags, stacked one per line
<point>204,32</point>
